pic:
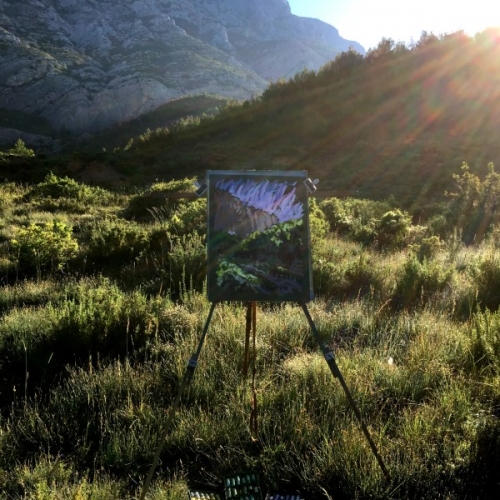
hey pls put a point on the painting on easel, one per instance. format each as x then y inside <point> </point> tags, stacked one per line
<point>258,236</point>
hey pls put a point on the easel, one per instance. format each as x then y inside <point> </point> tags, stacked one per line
<point>188,375</point>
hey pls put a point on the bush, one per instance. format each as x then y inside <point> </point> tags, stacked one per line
<point>44,247</point>
<point>20,149</point>
<point>63,193</point>
<point>143,205</point>
<point>95,320</point>
<point>183,218</point>
<point>355,218</point>
<point>113,243</point>
<point>428,248</point>
<point>487,279</point>
<point>392,229</point>
<point>342,270</point>
<point>474,205</point>
<point>318,225</point>
<point>419,281</point>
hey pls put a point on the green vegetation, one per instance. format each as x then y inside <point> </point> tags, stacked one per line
<point>103,296</point>
<point>103,301</point>
<point>396,121</point>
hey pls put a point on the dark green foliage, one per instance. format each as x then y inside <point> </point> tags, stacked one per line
<point>142,205</point>
<point>487,281</point>
<point>111,243</point>
<point>419,280</point>
<point>65,194</point>
<point>355,218</point>
<point>343,66</point>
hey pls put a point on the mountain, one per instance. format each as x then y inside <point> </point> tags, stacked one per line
<point>77,66</point>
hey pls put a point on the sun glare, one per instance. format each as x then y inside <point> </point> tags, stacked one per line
<point>369,21</point>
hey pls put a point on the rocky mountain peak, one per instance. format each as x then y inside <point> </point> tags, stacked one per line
<point>85,65</point>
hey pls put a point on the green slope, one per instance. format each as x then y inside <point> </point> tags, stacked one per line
<point>398,121</point>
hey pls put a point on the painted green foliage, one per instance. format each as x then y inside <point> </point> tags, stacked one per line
<point>281,269</point>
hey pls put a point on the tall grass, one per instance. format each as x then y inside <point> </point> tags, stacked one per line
<point>91,362</point>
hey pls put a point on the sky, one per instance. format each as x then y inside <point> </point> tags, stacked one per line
<point>368,21</point>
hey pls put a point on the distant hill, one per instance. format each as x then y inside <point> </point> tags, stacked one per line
<point>80,66</point>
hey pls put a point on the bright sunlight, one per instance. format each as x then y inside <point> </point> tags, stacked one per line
<point>367,22</point>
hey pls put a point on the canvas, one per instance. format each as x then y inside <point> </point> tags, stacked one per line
<point>258,236</point>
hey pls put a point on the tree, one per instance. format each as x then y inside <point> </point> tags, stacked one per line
<point>20,149</point>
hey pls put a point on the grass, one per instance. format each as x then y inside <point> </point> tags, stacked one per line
<point>421,410</point>
<point>92,358</point>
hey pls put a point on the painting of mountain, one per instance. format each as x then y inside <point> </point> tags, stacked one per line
<point>258,236</point>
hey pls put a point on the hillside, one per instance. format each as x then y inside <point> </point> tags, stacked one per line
<point>399,121</point>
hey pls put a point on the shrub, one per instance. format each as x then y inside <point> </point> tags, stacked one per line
<point>44,247</point>
<point>20,149</point>
<point>419,281</point>
<point>318,224</point>
<point>95,320</point>
<point>142,205</point>
<point>114,242</point>
<point>428,248</point>
<point>342,269</point>
<point>59,187</point>
<point>337,215</point>
<point>183,218</point>
<point>474,205</point>
<point>392,229</point>
<point>487,279</point>
<point>355,218</point>
<point>63,193</point>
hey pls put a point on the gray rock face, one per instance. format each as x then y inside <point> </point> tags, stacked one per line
<point>85,65</point>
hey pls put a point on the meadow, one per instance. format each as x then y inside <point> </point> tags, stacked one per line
<point>103,301</point>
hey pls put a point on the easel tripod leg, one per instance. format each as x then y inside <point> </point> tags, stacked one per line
<point>188,375</point>
<point>330,359</point>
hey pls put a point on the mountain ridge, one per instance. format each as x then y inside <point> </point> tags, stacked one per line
<point>84,66</point>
